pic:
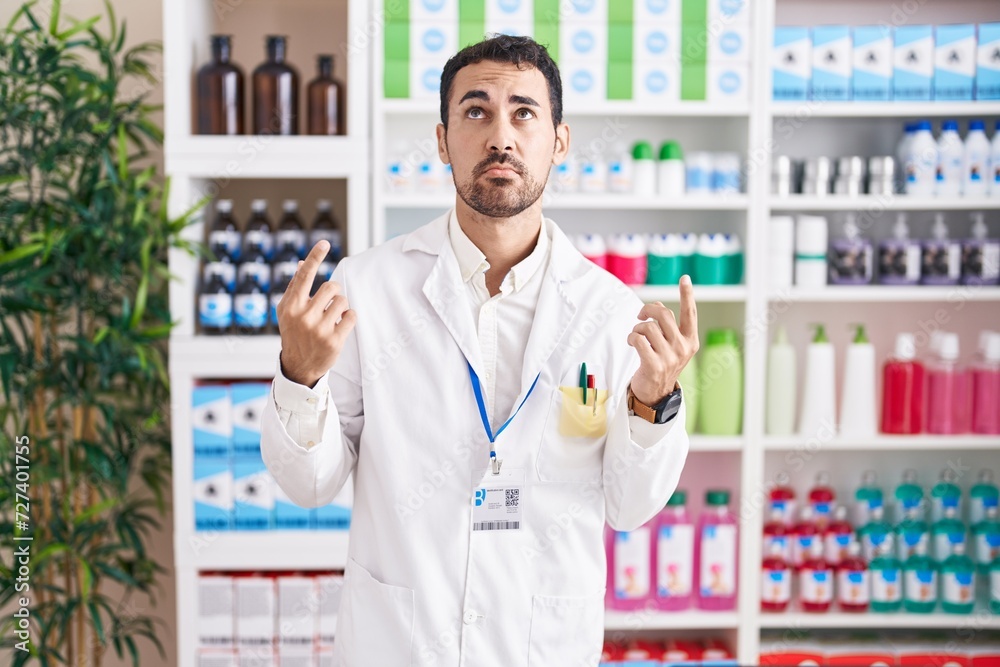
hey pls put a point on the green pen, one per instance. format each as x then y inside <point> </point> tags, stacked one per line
<point>583,381</point>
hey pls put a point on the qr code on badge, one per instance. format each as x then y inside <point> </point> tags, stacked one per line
<point>512,497</point>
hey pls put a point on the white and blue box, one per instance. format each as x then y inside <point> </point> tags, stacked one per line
<point>912,63</point>
<point>988,62</point>
<point>337,514</point>
<point>213,494</point>
<point>248,401</point>
<point>954,61</point>
<point>791,62</point>
<point>832,63</point>
<point>253,495</point>
<point>288,515</point>
<point>871,79</point>
<point>211,416</point>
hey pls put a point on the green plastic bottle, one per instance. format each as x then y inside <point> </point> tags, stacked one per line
<point>982,495</point>
<point>721,400</point>
<point>911,532</point>
<point>920,582</point>
<point>986,540</point>
<point>867,497</point>
<point>875,534</point>
<point>946,532</point>
<point>692,393</point>
<point>958,582</point>
<point>887,580</point>
<point>908,494</point>
<point>946,493</point>
<point>995,585</point>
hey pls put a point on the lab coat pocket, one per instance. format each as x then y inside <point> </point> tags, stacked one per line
<point>565,630</point>
<point>375,623</point>
<point>583,420</point>
<point>572,447</point>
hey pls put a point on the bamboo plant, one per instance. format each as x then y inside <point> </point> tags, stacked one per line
<point>84,321</point>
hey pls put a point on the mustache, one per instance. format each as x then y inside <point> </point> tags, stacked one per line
<point>502,159</point>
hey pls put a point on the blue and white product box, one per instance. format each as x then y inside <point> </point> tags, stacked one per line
<point>656,62</point>
<point>213,494</point>
<point>728,82</point>
<point>211,416</point>
<point>256,612</point>
<point>425,79</point>
<point>580,41</point>
<point>440,12</point>
<point>215,610</point>
<point>288,515</point>
<point>337,514</point>
<point>831,63</point>
<point>731,44</point>
<point>912,63</point>
<point>954,61</point>
<point>433,41</point>
<point>727,12</point>
<point>791,62</point>
<point>510,17</point>
<point>248,401</point>
<point>584,11</point>
<point>988,62</point>
<point>645,12</point>
<point>253,493</point>
<point>871,80</point>
<point>584,80</point>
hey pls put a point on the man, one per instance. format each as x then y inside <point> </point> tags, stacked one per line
<point>452,387</point>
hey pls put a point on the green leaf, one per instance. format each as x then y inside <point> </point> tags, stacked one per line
<point>54,19</point>
<point>49,551</point>
<point>78,26</point>
<point>21,252</point>
<point>130,643</point>
<point>94,510</point>
<point>122,154</point>
<point>95,617</point>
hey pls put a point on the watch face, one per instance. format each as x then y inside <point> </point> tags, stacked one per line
<point>671,406</point>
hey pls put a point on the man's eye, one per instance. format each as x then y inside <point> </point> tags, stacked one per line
<point>475,112</point>
<point>524,114</point>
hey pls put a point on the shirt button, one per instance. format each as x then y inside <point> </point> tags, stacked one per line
<point>469,618</point>
<point>311,401</point>
<point>311,443</point>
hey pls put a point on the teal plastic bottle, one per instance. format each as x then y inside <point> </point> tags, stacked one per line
<point>867,497</point>
<point>986,540</point>
<point>721,384</point>
<point>911,532</point>
<point>887,580</point>
<point>874,535</point>
<point>982,495</point>
<point>908,495</point>
<point>995,585</point>
<point>946,532</point>
<point>946,493</point>
<point>920,582</point>
<point>958,582</point>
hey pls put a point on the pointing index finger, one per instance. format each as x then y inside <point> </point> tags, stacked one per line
<point>306,274</point>
<point>689,310</point>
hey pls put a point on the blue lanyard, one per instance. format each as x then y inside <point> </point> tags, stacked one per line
<point>486,420</point>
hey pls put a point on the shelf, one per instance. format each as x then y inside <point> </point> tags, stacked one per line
<point>889,294</point>
<point>572,201</point>
<point>606,108</point>
<point>815,109</point>
<point>252,156</point>
<point>225,357</point>
<point>702,293</point>
<point>899,443</point>
<point>875,204</point>
<point>669,620</point>
<point>263,550</point>
<point>715,443</point>
<point>981,619</point>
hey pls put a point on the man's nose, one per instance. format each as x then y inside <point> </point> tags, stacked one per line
<point>501,137</point>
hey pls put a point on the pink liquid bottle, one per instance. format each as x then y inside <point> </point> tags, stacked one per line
<point>853,581</point>
<point>822,499</point>
<point>837,537</point>
<point>776,533</point>
<point>986,387</point>
<point>630,579</point>
<point>903,381</point>
<point>674,555</point>
<point>815,581</point>
<point>805,533</point>
<point>715,560</point>
<point>947,390</point>
<point>782,498</point>
<point>776,581</point>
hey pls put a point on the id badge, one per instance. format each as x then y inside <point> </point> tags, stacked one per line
<point>496,502</point>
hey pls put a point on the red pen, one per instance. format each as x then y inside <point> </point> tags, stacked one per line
<point>591,386</point>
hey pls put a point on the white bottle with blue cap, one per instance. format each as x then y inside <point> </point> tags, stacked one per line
<point>951,154</point>
<point>977,167</point>
<point>920,163</point>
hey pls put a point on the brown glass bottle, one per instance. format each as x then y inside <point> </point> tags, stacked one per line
<point>220,92</point>
<point>326,100</point>
<point>275,92</point>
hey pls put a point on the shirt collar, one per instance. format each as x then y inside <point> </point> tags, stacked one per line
<point>472,261</point>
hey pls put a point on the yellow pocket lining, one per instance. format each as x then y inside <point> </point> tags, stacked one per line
<point>577,420</point>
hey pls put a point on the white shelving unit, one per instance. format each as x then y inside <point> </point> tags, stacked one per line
<point>759,128</point>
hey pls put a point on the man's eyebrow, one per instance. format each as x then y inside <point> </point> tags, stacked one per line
<point>521,99</point>
<point>475,95</point>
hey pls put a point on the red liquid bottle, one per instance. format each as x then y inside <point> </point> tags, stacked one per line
<point>776,581</point>
<point>822,498</point>
<point>903,385</point>
<point>776,533</point>
<point>853,581</point>
<point>838,537</point>
<point>804,536</point>
<point>782,498</point>
<point>815,581</point>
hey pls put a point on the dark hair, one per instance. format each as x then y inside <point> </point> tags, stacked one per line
<point>524,52</point>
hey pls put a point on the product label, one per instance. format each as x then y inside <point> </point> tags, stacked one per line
<point>943,542</point>
<point>835,547</point>
<point>886,586</point>
<point>979,504</point>
<point>907,543</point>
<point>225,270</point>
<point>229,239</point>
<point>816,586</point>
<point>987,547</point>
<point>215,310</point>
<point>261,274</point>
<point>801,546</point>
<point>942,260</point>
<point>776,586</point>
<point>632,564</point>
<point>853,587</point>
<point>718,561</point>
<point>296,238</point>
<point>782,542</point>
<point>958,587</point>
<point>921,585</point>
<point>261,238</point>
<point>675,561</point>
<point>251,310</point>
<point>899,262</point>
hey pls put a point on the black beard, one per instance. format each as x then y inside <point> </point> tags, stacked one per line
<point>501,199</point>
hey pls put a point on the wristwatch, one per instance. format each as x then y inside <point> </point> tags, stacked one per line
<point>660,413</point>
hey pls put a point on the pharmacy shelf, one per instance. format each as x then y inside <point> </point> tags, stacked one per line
<point>412,107</point>
<point>229,356</point>
<point>981,619</point>
<point>874,204</point>
<point>888,294</point>
<point>900,443</point>
<point>584,202</point>
<point>262,156</point>
<point>702,293</point>
<point>716,443</point>
<point>263,550</point>
<point>663,620</point>
<point>818,109</point>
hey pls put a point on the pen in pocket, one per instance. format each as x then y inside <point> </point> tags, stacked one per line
<point>592,385</point>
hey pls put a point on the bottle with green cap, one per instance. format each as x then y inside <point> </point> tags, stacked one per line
<point>715,549</point>
<point>945,532</point>
<point>911,533</point>
<point>818,419</point>
<point>983,494</point>
<point>946,493</point>
<point>858,398</point>
<point>867,497</point>
<point>920,582</point>
<point>781,394</point>
<point>887,580</point>
<point>909,495</point>
<point>721,384</point>
<point>674,557</point>
<point>958,582</point>
<point>670,171</point>
<point>986,540</point>
<point>643,170</point>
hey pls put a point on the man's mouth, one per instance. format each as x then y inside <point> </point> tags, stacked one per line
<point>500,172</point>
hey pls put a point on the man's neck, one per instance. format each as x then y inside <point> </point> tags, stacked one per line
<point>504,241</point>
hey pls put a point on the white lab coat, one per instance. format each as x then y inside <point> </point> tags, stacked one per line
<point>421,588</point>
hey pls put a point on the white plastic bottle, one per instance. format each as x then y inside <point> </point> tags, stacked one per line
<point>951,155</point>
<point>857,398</point>
<point>620,170</point>
<point>902,152</point>
<point>593,174</point>
<point>699,173</point>
<point>781,394</point>
<point>995,161</point>
<point>920,163</point>
<point>977,166</point>
<point>670,170</point>
<point>643,170</point>
<point>819,413</point>
<point>567,175</point>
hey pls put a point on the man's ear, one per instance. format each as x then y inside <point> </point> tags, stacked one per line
<point>442,143</point>
<point>562,144</point>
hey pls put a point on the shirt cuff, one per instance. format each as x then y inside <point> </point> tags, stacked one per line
<point>298,398</point>
<point>646,434</point>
